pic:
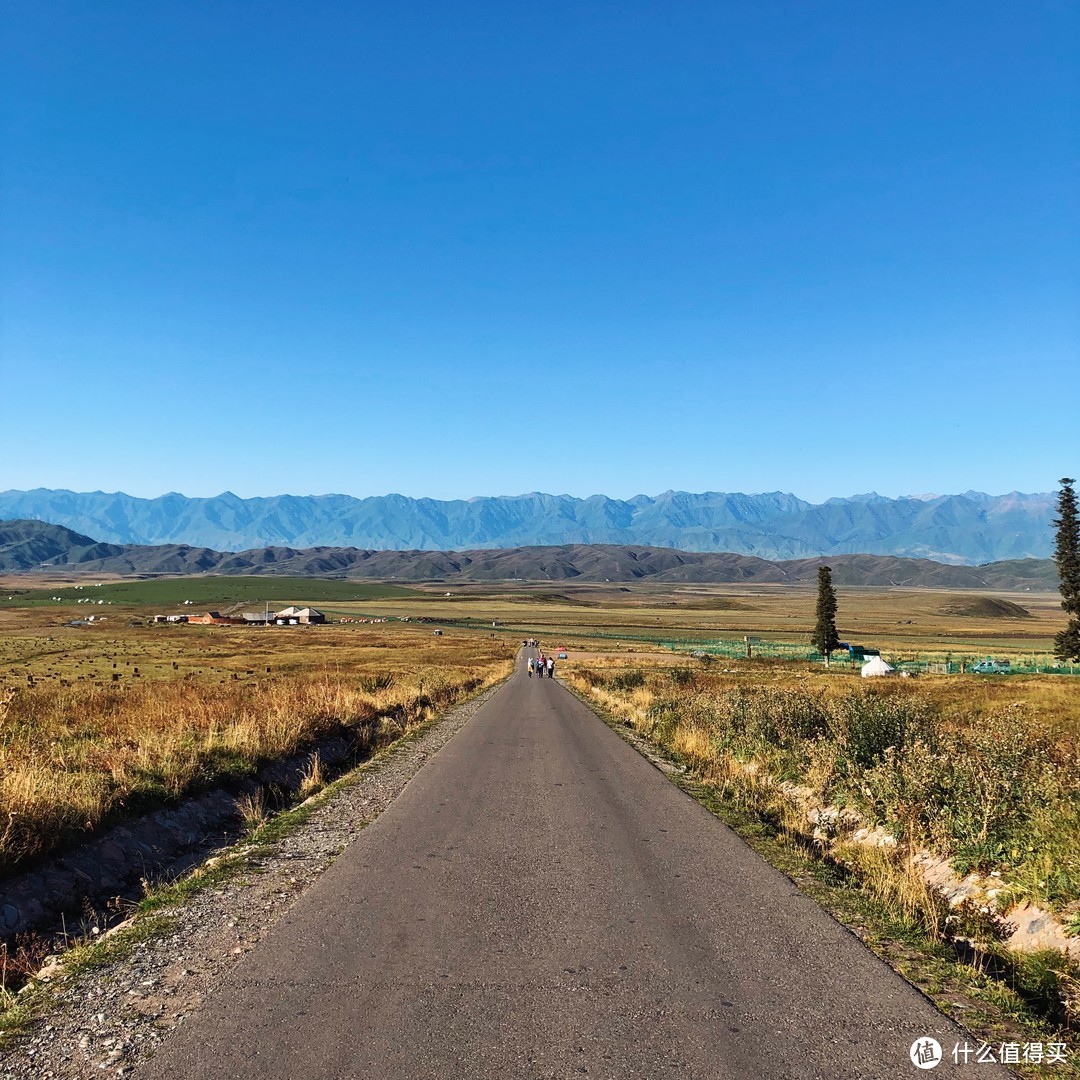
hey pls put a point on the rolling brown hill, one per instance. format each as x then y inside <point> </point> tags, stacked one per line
<point>27,546</point>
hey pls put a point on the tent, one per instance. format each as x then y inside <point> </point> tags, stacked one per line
<point>876,666</point>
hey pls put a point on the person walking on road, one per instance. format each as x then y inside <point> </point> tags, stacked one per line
<point>551,667</point>
<point>532,664</point>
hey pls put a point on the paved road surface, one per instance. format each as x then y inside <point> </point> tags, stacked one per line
<point>541,902</point>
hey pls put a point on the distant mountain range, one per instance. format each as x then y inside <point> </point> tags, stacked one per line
<point>968,529</point>
<point>36,545</point>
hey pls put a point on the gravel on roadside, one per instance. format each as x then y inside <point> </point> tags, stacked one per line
<point>103,1022</point>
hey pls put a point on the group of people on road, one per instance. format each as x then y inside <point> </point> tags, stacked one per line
<point>542,664</point>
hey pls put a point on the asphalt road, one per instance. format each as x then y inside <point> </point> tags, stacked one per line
<point>541,902</point>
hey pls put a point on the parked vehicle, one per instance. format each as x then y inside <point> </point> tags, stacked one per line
<point>992,667</point>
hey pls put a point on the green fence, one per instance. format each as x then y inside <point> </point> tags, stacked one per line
<point>932,662</point>
<point>918,663</point>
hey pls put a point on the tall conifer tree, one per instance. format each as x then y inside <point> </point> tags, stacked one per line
<point>1067,557</point>
<point>825,639</point>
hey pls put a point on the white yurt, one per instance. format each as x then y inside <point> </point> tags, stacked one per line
<point>876,666</point>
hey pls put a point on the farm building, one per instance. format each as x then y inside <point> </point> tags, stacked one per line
<point>303,616</point>
<point>212,618</point>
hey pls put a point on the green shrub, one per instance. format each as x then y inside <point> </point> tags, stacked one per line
<point>905,789</point>
<point>794,717</point>
<point>662,718</point>
<point>1046,979</point>
<point>995,775</point>
<point>979,794</point>
<point>865,725</point>
<point>591,676</point>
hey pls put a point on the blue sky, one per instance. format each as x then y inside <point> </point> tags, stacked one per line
<point>488,248</point>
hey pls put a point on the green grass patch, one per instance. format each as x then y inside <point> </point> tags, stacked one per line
<point>210,592</point>
<point>19,1010</point>
<point>92,955</point>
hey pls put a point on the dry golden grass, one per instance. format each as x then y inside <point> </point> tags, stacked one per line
<point>314,778</point>
<point>1053,700</point>
<point>73,755</point>
<point>903,623</point>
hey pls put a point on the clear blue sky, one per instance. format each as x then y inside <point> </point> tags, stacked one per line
<point>452,249</point>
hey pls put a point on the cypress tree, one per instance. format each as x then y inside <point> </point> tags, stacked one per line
<point>1067,557</point>
<point>825,639</point>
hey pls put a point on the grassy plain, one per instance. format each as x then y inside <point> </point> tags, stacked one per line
<point>902,623</point>
<point>761,609</point>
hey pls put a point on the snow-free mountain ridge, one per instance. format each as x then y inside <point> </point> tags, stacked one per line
<point>971,528</point>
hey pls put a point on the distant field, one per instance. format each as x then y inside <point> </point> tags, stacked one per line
<point>207,592</point>
<point>902,623</point>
